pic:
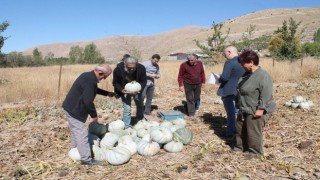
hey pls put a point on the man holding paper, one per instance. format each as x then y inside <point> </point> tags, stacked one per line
<point>232,71</point>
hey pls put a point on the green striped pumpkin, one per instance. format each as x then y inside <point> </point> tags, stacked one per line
<point>183,135</point>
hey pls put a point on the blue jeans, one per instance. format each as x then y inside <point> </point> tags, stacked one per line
<point>229,106</point>
<point>148,94</point>
<point>126,101</point>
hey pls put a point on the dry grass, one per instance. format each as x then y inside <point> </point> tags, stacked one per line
<point>38,83</point>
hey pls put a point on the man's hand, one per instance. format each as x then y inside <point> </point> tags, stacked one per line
<point>258,113</point>
<point>94,119</point>
<point>181,88</point>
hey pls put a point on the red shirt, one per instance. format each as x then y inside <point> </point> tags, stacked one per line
<point>191,74</point>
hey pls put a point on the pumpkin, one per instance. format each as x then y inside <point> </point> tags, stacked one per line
<point>132,86</point>
<point>161,135</point>
<point>298,99</point>
<point>180,122</point>
<point>295,105</point>
<point>119,132</point>
<point>109,140</point>
<point>173,146</point>
<point>141,124</point>
<point>310,103</point>
<point>183,135</point>
<point>166,124</point>
<point>143,131</point>
<point>288,104</point>
<point>74,154</point>
<point>97,129</point>
<point>118,155</point>
<point>130,145</point>
<point>173,128</point>
<point>153,124</point>
<point>304,105</point>
<point>116,125</point>
<point>131,132</point>
<point>99,153</point>
<point>125,138</point>
<point>146,147</point>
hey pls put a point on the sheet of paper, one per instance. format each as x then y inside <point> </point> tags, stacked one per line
<point>213,78</point>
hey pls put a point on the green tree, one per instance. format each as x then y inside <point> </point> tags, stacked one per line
<point>316,36</point>
<point>247,37</point>
<point>76,55</point>
<point>3,27</point>
<point>215,43</point>
<point>285,42</point>
<point>37,57</point>
<point>92,55</point>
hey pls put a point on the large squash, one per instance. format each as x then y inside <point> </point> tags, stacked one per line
<point>183,135</point>
<point>133,86</point>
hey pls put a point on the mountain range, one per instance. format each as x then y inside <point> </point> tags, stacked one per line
<point>182,39</point>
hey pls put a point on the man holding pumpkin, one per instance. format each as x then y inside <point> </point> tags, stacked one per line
<point>78,104</point>
<point>126,72</point>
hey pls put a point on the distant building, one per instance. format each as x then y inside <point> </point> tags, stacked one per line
<point>178,56</point>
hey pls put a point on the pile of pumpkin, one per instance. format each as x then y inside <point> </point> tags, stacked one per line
<point>115,144</point>
<point>299,102</point>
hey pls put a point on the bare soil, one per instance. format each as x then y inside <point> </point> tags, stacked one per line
<point>34,142</point>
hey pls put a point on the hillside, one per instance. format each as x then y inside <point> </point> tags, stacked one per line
<point>266,21</point>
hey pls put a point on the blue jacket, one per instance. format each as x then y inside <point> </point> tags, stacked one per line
<point>232,71</point>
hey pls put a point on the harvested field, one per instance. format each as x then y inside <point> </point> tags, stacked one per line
<point>34,140</point>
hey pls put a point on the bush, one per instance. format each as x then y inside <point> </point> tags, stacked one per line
<point>312,49</point>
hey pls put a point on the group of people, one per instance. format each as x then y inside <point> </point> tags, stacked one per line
<point>245,88</point>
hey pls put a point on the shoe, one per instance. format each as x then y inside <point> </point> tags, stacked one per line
<point>91,163</point>
<point>236,149</point>
<point>147,114</point>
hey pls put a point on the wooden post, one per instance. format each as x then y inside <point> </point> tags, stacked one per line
<point>59,81</point>
<point>301,65</point>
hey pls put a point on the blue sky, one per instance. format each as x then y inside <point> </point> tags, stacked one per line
<point>40,22</point>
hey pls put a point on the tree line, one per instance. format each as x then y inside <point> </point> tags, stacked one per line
<point>283,44</point>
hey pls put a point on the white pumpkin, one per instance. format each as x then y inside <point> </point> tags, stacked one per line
<point>161,135</point>
<point>143,131</point>
<point>146,147</point>
<point>310,103</point>
<point>133,86</point>
<point>99,153</point>
<point>118,155</point>
<point>166,124</point>
<point>97,129</point>
<point>74,154</point>
<point>295,105</point>
<point>125,138</point>
<point>304,105</point>
<point>298,99</point>
<point>173,146</point>
<point>131,132</point>
<point>141,124</point>
<point>180,122</point>
<point>153,124</point>
<point>130,145</point>
<point>136,139</point>
<point>173,128</point>
<point>120,132</point>
<point>116,125</point>
<point>109,140</point>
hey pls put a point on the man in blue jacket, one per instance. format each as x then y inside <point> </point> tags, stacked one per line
<point>232,71</point>
<point>78,104</point>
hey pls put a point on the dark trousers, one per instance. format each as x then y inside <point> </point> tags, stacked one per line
<point>192,92</point>
<point>148,94</point>
<point>249,133</point>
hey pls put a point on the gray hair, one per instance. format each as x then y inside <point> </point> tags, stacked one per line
<point>130,60</point>
<point>103,68</point>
